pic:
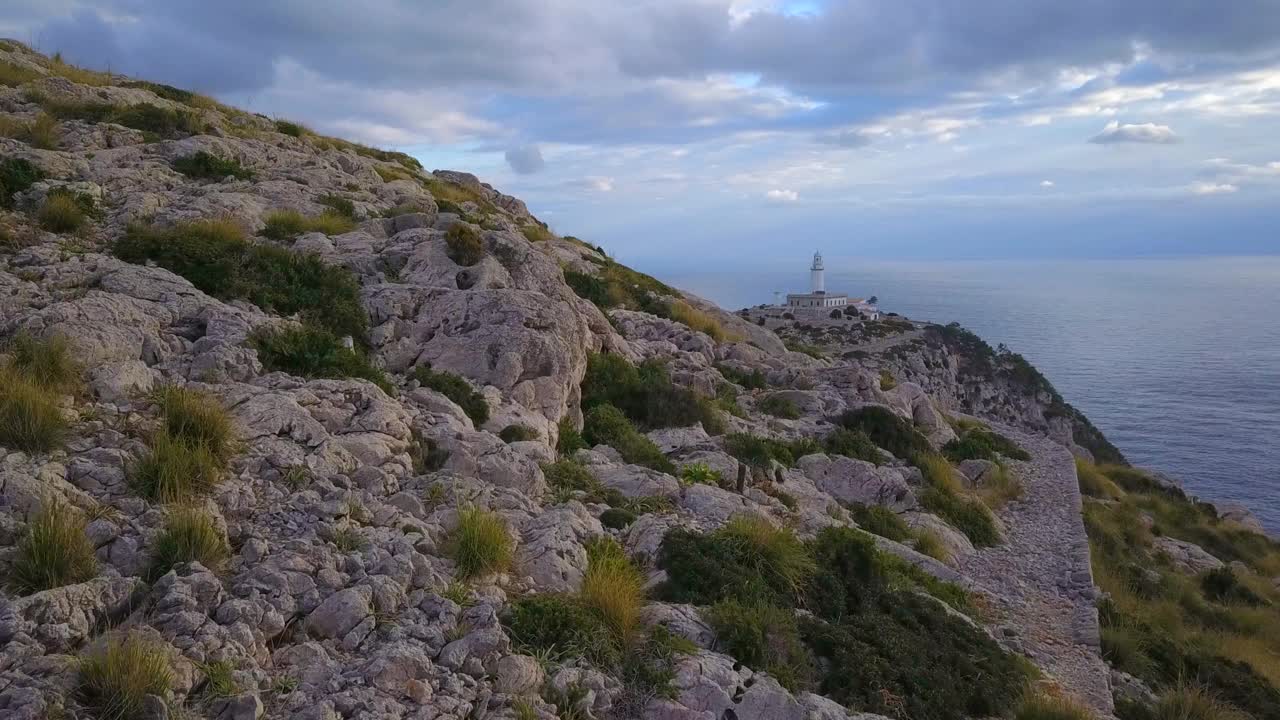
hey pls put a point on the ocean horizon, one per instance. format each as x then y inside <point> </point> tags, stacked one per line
<point>1176,360</point>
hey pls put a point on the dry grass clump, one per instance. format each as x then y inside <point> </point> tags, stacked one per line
<point>1000,488</point>
<point>188,455</point>
<point>683,312</point>
<point>480,544</point>
<point>1188,702</point>
<point>47,363</point>
<point>614,588</point>
<point>115,679</point>
<point>54,552</point>
<point>779,554</point>
<point>289,224</point>
<point>1047,707</point>
<point>929,542</point>
<point>42,132</point>
<point>61,213</point>
<point>13,75</point>
<point>30,419</point>
<point>76,74</point>
<point>189,535</point>
<point>463,245</point>
<point>1095,484</point>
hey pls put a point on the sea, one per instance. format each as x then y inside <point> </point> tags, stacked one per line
<point>1176,360</point>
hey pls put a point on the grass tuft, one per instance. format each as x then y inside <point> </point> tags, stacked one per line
<point>613,588</point>
<point>54,552</point>
<point>700,320</point>
<point>30,419</point>
<point>115,679</point>
<point>457,389</point>
<point>312,351</point>
<point>289,224</point>
<point>197,418</point>
<point>60,213</point>
<point>210,167</point>
<point>480,544</point>
<point>174,471</point>
<point>463,245</point>
<point>606,425</point>
<point>1036,706</point>
<point>47,363</point>
<point>189,535</point>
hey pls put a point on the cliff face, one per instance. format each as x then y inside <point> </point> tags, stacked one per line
<point>471,468</point>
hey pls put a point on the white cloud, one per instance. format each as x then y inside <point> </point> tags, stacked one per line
<point>599,184</point>
<point>782,196</point>
<point>1208,188</point>
<point>1149,133</point>
<point>1046,183</point>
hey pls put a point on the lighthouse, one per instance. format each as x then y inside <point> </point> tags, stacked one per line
<point>817,297</point>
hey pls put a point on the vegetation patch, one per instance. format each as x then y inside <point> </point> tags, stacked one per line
<point>983,444</point>
<point>812,351</point>
<point>292,129</point>
<point>613,588</point>
<point>47,363</point>
<point>61,213</point>
<point>852,443</point>
<point>480,543</point>
<point>116,677</point>
<point>189,535</point>
<point>54,552</point>
<point>749,379</point>
<point>700,320</point>
<point>312,351</point>
<point>645,394</point>
<point>517,433</point>
<point>568,440</point>
<point>1214,637</point>
<point>701,474</point>
<point>216,257</point>
<point>16,175</point>
<point>617,286</point>
<point>463,245</point>
<point>207,166</point>
<point>339,205</point>
<point>43,132</point>
<point>456,389</point>
<point>880,520</point>
<point>886,430</point>
<point>778,406</point>
<point>763,637</point>
<point>162,123</point>
<point>760,452</point>
<point>30,418</point>
<point>607,425</point>
<point>289,224</point>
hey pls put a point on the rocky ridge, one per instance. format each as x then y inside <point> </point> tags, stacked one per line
<point>341,597</point>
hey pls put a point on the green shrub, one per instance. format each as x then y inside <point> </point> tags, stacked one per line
<point>982,444</point>
<point>30,418</point>
<point>750,379</point>
<point>613,588</point>
<point>617,285</point>
<point>763,637</point>
<point>198,419</point>
<point>339,205</point>
<point>46,363</point>
<point>427,456</point>
<point>463,245</point>
<point>852,443</point>
<point>517,433</point>
<point>16,175</point>
<point>699,320</point>
<point>557,627</point>
<point>606,425</point>
<point>189,535</point>
<point>201,164</point>
<point>174,471</point>
<point>886,430</point>
<point>569,476</point>
<point>456,389</point>
<point>216,257</point>
<point>1222,585</point>
<point>812,351</point>
<point>312,351</point>
<point>779,406</point>
<point>160,122</point>
<point>291,129</point>
<point>747,560</point>
<point>882,521</point>
<point>588,287</point>
<point>701,474</point>
<point>289,224</point>
<point>569,440</point>
<point>645,394</point>
<point>617,518</point>
<point>760,453</point>
<point>480,543</point>
<point>54,552</point>
<point>967,515</point>
<point>537,233</point>
<point>116,677</point>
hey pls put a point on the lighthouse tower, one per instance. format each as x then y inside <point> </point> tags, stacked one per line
<point>815,274</point>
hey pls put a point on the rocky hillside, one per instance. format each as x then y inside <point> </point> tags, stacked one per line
<point>291,427</point>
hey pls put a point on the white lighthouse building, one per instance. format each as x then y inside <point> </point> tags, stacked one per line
<point>817,297</point>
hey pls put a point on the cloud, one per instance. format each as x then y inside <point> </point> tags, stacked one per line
<point>526,159</point>
<point>1150,133</point>
<point>595,183</point>
<point>782,196</point>
<point>1208,188</point>
<point>848,138</point>
<point>1046,183</point>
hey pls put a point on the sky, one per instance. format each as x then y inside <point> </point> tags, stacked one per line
<point>738,132</point>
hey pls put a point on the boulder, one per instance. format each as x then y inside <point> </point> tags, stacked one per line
<point>1186,557</point>
<point>340,612</point>
<point>857,481</point>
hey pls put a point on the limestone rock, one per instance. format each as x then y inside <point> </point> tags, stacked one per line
<point>858,481</point>
<point>340,612</point>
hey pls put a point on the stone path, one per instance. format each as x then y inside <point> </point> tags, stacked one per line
<point>1040,582</point>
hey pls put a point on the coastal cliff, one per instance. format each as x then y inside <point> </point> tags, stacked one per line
<point>291,427</point>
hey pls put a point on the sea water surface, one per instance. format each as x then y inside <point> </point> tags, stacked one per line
<point>1177,361</point>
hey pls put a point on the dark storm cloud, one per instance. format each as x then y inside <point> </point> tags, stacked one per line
<point>525,160</point>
